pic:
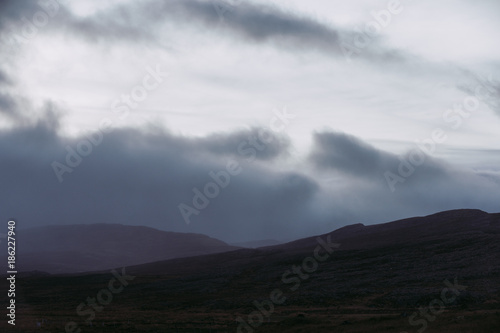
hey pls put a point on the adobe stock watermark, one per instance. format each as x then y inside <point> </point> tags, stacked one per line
<point>103,297</point>
<point>364,36</point>
<point>427,314</point>
<point>249,149</point>
<point>294,277</point>
<point>122,108</point>
<point>453,118</point>
<point>14,37</point>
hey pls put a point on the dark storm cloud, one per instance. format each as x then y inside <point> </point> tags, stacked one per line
<point>13,106</point>
<point>140,178</point>
<point>7,103</point>
<point>239,142</point>
<point>12,11</point>
<point>21,20</point>
<point>137,178</point>
<point>354,178</point>
<point>251,22</point>
<point>20,113</point>
<point>349,155</point>
<point>259,23</point>
<point>254,22</point>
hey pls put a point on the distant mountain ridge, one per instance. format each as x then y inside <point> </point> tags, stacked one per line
<point>258,243</point>
<point>380,279</point>
<point>97,247</point>
<point>90,247</point>
<point>405,231</point>
<point>446,227</point>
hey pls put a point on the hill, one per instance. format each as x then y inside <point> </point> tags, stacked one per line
<point>92,247</point>
<point>437,273</point>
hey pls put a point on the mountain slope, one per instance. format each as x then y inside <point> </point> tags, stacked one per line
<point>376,281</point>
<point>407,231</point>
<point>79,248</point>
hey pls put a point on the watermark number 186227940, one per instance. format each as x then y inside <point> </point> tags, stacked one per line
<point>11,271</point>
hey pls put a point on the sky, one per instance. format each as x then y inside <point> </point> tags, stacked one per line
<point>247,120</point>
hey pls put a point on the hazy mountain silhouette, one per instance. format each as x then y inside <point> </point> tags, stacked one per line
<point>257,243</point>
<point>80,248</point>
<point>377,280</point>
<point>441,229</point>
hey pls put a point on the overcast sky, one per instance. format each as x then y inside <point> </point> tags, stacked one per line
<point>311,115</point>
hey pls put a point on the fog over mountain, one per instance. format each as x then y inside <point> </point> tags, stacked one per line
<point>234,165</point>
<point>246,120</point>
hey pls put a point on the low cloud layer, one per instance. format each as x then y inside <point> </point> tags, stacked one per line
<point>350,156</point>
<point>134,177</point>
<point>234,184</point>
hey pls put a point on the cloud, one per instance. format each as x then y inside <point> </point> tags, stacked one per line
<point>254,22</point>
<point>248,21</point>
<point>349,155</point>
<point>19,22</point>
<point>261,23</point>
<point>12,11</point>
<point>486,90</point>
<point>139,178</point>
<point>19,111</point>
<point>15,108</point>
<point>352,176</point>
<point>8,106</point>
<point>4,79</point>
<point>246,143</point>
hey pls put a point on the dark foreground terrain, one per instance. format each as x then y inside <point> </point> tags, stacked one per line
<point>439,273</point>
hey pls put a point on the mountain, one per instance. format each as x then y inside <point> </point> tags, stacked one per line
<point>451,231</point>
<point>413,230</point>
<point>91,247</point>
<point>257,243</point>
<point>438,273</point>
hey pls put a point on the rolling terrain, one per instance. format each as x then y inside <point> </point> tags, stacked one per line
<point>82,247</point>
<point>438,273</point>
